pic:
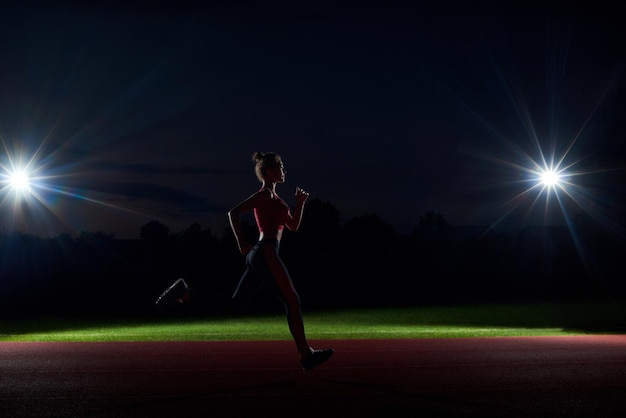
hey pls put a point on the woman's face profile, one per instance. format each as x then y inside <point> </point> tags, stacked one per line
<point>276,174</point>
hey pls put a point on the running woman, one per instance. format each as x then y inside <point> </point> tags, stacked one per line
<point>263,262</point>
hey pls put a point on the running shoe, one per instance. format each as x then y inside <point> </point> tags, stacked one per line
<point>177,292</point>
<point>316,358</point>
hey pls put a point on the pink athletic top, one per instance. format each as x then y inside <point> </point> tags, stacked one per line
<point>272,215</point>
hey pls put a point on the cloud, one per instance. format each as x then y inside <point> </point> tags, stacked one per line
<point>138,195</point>
<point>156,193</point>
<point>143,168</point>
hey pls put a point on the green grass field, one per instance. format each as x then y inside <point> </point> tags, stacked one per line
<point>416,322</point>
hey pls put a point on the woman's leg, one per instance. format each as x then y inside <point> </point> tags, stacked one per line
<point>246,290</point>
<point>289,296</point>
<point>219,301</point>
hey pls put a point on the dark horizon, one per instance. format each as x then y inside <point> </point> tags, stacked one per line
<point>364,263</point>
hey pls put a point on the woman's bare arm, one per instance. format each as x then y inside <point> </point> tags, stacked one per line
<point>234,218</point>
<point>293,222</point>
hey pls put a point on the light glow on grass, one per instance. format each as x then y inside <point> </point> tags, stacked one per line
<point>420,322</point>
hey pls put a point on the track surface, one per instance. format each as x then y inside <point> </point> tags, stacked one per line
<point>503,377</point>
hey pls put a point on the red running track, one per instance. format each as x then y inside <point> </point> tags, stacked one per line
<point>582,376</point>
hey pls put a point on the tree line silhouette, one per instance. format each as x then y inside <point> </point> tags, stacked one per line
<point>362,262</point>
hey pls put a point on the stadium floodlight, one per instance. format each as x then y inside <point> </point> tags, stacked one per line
<point>19,180</point>
<point>550,178</point>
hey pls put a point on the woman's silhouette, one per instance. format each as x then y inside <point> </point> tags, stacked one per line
<point>263,262</point>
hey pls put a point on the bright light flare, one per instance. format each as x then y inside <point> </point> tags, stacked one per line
<point>19,177</point>
<point>551,178</point>
<point>28,187</point>
<point>19,180</point>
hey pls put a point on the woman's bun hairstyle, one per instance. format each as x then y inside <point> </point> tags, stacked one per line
<point>257,156</point>
<point>264,160</point>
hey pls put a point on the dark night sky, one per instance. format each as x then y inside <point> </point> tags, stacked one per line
<point>135,114</point>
